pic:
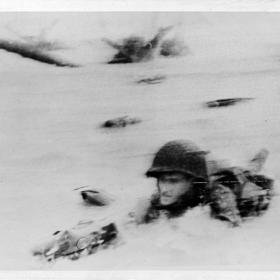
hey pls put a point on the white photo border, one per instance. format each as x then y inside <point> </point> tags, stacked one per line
<point>139,5</point>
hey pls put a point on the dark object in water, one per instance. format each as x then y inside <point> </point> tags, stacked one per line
<point>120,122</point>
<point>136,49</point>
<point>153,80</point>
<point>173,47</point>
<point>120,58</point>
<point>94,197</point>
<point>26,50</point>
<point>226,102</point>
<point>73,245</point>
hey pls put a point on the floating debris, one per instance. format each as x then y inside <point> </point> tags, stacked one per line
<point>95,197</point>
<point>226,102</point>
<point>151,81</point>
<point>135,48</point>
<point>29,51</point>
<point>82,240</point>
<point>121,122</point>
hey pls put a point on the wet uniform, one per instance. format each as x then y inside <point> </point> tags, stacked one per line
<point>235,194</point>
<point>232,194</point>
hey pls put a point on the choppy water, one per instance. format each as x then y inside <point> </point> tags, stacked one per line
<point>51,143</point>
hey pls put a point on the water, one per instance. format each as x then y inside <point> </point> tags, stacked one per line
<point>51,141</point>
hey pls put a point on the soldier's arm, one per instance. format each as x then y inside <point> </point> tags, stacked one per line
<point>223,205</point>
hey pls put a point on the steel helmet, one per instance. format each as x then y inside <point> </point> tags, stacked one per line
<point>179,156</point>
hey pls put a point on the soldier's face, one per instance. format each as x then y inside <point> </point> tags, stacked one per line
<point>171,186</point>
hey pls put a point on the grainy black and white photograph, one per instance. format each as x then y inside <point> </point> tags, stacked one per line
<point>139,140</point>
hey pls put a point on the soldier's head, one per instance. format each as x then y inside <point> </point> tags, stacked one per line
<point>180,169</point>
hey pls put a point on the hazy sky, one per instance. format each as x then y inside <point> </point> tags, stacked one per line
<point>76,26</point>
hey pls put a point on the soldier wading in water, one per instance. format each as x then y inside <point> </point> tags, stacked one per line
<point>183,182</point>
<point>180,169</point>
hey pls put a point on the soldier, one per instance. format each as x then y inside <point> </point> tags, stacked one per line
<point>183,182</point>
